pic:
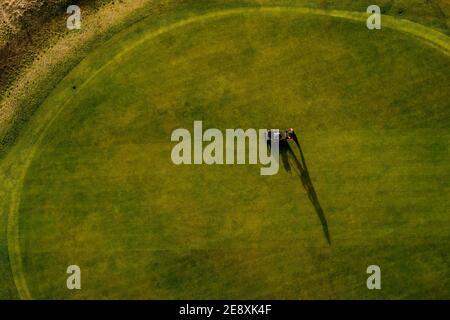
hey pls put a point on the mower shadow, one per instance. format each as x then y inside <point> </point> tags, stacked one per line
<point>286,152</point>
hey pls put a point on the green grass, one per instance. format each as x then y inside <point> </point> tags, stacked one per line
<point>90,180</point>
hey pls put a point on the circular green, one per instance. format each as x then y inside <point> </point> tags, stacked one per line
<point>372,114</point>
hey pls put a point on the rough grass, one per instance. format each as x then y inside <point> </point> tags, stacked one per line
<point>102,192</point>
<point>28,92</point>
<point>28,27</point>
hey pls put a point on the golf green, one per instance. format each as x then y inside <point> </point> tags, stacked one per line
<point>91,181</point>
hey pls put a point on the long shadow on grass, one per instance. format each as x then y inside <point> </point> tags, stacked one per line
<point>286,152</point>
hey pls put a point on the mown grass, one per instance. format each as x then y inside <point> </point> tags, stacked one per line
<point>101,191</point>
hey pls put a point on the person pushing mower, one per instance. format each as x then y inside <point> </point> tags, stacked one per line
<point>288,134</point>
